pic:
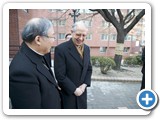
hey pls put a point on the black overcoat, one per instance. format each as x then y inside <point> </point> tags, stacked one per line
<point>71,71</point>
<point>31,85</point>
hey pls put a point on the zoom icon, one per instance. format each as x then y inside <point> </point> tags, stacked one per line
<point>147,99</point>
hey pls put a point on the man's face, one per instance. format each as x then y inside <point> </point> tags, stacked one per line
<point>47,41</point>
<point>79,35</point>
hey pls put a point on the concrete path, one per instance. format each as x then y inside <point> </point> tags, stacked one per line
<point>113,95</point>
<point>127,74</point>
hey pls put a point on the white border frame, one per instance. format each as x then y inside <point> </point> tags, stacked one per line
<point>8,6</point>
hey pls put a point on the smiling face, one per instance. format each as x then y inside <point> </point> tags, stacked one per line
<point>79,34</point>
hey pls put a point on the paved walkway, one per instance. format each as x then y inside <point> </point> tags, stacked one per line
<point>113,95</point>
<point>114,90</point>
<point>127,74</point>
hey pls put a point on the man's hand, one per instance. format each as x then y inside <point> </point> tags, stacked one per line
<point>83,87</point>
<point>78,92</point>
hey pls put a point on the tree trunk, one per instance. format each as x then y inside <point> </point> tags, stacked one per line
<point>117,59</point>
<point>119,48</point>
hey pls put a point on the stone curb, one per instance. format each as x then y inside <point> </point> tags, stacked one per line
<point>119,79</point>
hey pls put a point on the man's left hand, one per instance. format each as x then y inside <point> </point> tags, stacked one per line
<point>83,87</point>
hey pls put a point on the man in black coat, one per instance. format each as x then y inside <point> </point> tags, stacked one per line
<point>143,69</point>
<point>73,68</point>
<point>31,81</point>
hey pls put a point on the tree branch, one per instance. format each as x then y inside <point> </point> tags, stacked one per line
<point>120,16</point>
<point>111,18</point>
<point>135,21</point>
<point>113,12</point>
<point>100,11</point>
<point>129,15</point>
<point>130,18</point>
<point>94,14</point>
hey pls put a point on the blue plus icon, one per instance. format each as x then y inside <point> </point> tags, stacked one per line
<point>147,99</point>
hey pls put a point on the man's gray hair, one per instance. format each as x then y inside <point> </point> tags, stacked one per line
<point>77,24</point>
<point>34,27</point>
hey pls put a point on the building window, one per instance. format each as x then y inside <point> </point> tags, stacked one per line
<point>57,10</point>
<point>62,10</point>
<point>139,32</point>
<point>25,10</point>
<point>126,49</point>
<point>134,38</point>
<point>85,11</point>
<point>102,49</point>
<point>61,36</point>
<point>113,37</point>
<point>62,22</point>
<point>53,22</point>
<point>88,23</point>
<point>104,37</point>
<point>52,10</point>
<point>128,38</point>
<point>105,24</point>
<point>89,37</point>
<point>125,37</point>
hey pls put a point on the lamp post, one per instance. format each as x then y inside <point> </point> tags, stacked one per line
<point>74,14</point>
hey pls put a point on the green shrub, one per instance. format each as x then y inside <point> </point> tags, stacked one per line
<point>139,59</point>
<point>93,60</point>
<point>106,64</point>
<point>133,60</point>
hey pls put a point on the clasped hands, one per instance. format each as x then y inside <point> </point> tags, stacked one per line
<point>79,91</point>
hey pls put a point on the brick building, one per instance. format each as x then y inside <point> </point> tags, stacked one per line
<point>101,35</point>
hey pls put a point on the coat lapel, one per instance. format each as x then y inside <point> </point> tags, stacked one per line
<point>37,59</point>
<point>74,53</point>
<point>85,62</point>
<point>43,70</point>
<point>85,56</point>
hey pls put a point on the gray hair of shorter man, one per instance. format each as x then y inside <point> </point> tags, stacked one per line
<point>78,24</point>
<point>34,27</point>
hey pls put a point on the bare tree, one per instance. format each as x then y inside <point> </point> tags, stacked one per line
<point>123,24</point>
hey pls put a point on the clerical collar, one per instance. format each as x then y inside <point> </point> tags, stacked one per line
<point>36,51</point>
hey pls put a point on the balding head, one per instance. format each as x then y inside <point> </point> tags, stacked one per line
<point>79,32</point>
<point>79,26</point>
<point>34,27</point>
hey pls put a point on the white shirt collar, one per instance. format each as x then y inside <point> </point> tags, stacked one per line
<point>36,51</point>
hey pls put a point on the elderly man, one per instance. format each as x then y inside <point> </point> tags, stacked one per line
<point>31,81</point>
<point>73,68</point>
<point>143,69</point>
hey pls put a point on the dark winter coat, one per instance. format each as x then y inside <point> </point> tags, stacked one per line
<point>31,85</point>
<point>71,71</point>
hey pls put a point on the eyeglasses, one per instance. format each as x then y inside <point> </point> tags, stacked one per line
<point>49,36</point>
